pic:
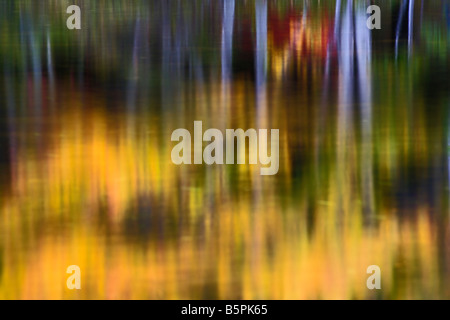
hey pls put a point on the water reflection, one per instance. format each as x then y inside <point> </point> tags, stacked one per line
<point>87,178</point>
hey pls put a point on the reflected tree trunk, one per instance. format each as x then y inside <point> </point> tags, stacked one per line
<point>354,57</point>
<point>261,61</point>
<point>345,45</point>
<point>364,81</point>
<point>410,26</point>
<point>399,25</point>
<point>227,39</point>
